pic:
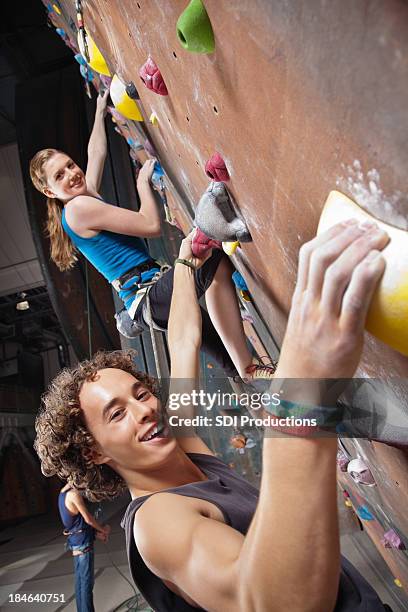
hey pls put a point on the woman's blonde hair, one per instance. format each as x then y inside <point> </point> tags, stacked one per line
<point>61,248</point>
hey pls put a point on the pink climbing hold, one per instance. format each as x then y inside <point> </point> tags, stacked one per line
<point>152,78</point>
<point>216,169</point>
<point>392,540</point>
<point>342,460</point>
<point>360,473</point>
<point>201,244</point>
<point>105,80</point>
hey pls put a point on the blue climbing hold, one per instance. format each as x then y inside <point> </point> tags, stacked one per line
<point>80,59</point>
<point>158,173</point>
<point>61,32</point>
<point>364,513</point>
<point>130,142</point>
<point>86,73</point>
<point>239,281</point>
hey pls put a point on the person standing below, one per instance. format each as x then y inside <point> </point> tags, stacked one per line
<point>81,528</point>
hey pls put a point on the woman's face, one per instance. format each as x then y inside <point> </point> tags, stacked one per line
<point>65,179</point>
<point>127,422</point>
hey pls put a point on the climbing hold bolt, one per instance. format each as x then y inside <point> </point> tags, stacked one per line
<point>123,103</point>
<point>216,217</point>
<point>194,29</point>
<point>216,169</point>
<point>132,91</point>
<point>152,78</point>
<point>201,244</point>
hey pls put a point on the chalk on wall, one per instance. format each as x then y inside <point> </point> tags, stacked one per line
<point>194,29</point>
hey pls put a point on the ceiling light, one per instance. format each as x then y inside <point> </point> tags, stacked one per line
<point>23,305</point>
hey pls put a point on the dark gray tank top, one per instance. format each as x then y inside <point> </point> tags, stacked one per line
<point>237,500</point>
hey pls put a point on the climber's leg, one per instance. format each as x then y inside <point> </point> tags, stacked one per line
<point>160,300</point>
<point>223,308</point>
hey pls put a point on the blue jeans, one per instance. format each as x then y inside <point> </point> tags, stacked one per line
<point>84,579</point>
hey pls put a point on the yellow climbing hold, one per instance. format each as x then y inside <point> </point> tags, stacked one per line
<point>398,583</point>
<point>348,503</point>
<point>96,59</point>
<point>123,103</point>
<point>387,316</point>
<point>230,247</point>
<point>56,9</point>
<point>154,120</point>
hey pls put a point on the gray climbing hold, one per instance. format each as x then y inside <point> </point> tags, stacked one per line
<point>216,217</point>
<point>342,460</point>
<point>360,473</point>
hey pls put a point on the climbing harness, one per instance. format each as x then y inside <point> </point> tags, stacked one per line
<point>125,322</point>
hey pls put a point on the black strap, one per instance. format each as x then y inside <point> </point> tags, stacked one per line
<point>137,271</point>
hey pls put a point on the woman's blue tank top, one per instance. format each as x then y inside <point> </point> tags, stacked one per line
<point>80,533</point>
<point>112,255</point>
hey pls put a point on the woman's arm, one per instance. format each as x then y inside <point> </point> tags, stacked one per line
<point>97,147</point>
<point>78,506</point>
<point>85,213</point>
<point>289,559</point>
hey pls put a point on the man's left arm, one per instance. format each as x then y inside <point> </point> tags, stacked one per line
<point>184,338</point>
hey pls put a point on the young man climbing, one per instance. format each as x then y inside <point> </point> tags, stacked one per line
<point>198,535</point>
<point>81,528</point>
<point>111,239</point>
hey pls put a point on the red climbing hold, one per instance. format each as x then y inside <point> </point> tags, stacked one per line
<point>201,244</point>
<point>216,169</point>
<point>152,78</point>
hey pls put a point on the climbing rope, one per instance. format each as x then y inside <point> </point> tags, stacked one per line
<point>88,310</point>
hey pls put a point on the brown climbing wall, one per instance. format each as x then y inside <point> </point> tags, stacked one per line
<point>299,99</point>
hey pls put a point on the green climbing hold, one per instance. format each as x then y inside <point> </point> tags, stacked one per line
<point>194,29</point>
